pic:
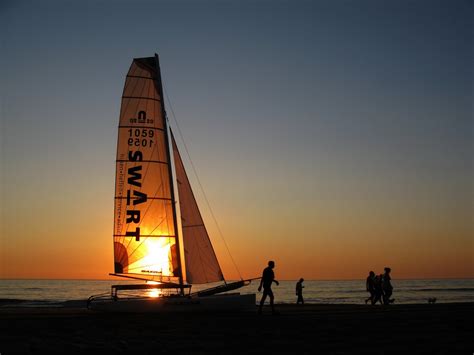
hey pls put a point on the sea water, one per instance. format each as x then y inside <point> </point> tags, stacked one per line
<point>44,292</point>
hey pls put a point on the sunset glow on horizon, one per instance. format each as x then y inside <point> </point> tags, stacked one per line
<point>332,138</point>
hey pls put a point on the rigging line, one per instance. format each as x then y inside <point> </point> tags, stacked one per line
<point>159,224</point>
<point>200,185</point>
<point>142,240</point>
<point>162,220</point>
<point>148,208</point>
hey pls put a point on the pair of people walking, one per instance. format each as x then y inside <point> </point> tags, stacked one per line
<point>268,278</point>
<point>379,287</point>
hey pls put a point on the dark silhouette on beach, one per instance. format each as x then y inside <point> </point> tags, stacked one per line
<point>387,287</point>
<point>378,292</point>
<point>370,287</point>
<point>299,291</point>
<point>379,287</point>
<point>268,277</point>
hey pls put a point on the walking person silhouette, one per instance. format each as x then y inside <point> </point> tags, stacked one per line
<point>268,277</point>
<point>299,291</point>
<point>378,291</point>
<point>387,286</point>
<point>370,287</point>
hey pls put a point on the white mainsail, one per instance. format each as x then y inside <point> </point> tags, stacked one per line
<point>145,229</point>
<point>145,237</point>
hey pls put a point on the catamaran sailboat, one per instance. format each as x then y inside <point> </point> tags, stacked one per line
<point>150,183</point>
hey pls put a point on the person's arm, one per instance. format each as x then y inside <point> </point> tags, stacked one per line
<point>275,281</point>
<point>260,286</point>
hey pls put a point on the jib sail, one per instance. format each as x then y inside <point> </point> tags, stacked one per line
<point>199,256</point>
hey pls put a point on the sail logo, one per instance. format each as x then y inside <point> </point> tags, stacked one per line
<point>141,118</point>
<point>134,196</point>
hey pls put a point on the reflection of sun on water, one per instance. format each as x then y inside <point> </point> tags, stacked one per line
<point>154,292</point>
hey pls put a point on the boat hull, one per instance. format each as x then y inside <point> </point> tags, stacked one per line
<point>225,302</point>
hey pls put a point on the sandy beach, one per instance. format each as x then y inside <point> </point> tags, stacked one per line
<point>325,329</point>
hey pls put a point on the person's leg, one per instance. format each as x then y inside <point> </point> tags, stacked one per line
<point>270,294</point>
<point>376,298</point>
<point>262,301</point>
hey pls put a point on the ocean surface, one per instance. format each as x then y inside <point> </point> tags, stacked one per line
<point>56,292</point>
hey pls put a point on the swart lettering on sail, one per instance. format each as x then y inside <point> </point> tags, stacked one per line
<point>134,196</point>
<point>139,142</point>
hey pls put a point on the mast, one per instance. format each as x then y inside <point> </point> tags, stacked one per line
<point>170,170</point>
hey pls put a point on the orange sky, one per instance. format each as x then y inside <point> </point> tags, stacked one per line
<point>316,245</point>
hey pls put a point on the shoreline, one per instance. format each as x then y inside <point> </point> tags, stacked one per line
<point>441,328</point>
<point>6,303</point>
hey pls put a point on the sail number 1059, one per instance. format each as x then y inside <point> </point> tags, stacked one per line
<point>140,137</point>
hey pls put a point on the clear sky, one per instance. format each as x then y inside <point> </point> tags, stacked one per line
<point>334,137</point>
